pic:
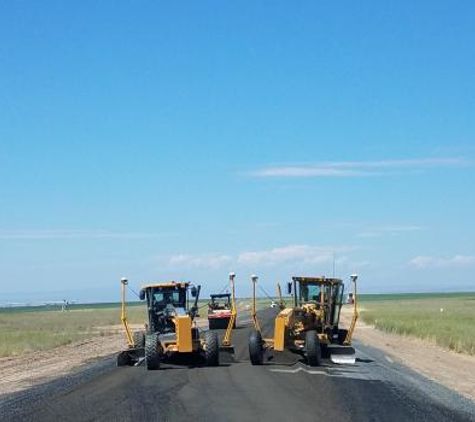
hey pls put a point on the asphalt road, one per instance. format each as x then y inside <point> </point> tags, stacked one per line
<point>375,389</point>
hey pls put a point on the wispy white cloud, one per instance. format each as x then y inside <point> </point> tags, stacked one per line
<point>437,262</point>
<point>357,168</point>
<point>388,230</point>
<point>210,261</point>
<point>305,254</point>
<point>74,234</point>
<point>291,254</point>
<point>308,171</point>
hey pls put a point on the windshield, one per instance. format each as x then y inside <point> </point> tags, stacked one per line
<point>220,301</point>
<point>163,297</point>
<point>310,293</point>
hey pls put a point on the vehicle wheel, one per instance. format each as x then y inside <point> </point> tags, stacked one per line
<point>256,352</point>
<point>152,351</point>
<point>312,348</point>
<point>212,324</point>
<point>211,348</point>
<point>342,336</point>
<point>139,339</point>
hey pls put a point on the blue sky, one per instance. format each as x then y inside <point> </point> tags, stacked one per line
<point>187,139</point>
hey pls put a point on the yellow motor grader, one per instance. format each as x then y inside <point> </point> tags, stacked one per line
<point>170,329</point>
<point>309,326</point>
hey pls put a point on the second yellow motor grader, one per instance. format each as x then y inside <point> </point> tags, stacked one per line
<point>310,325</point>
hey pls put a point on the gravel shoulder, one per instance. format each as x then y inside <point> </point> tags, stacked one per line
<point>18,373</point>
<point>452,370</point>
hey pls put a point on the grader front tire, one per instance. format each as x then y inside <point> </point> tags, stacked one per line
<point>211,348</point>
<point>256,352</point>
<point>152,352</point>
<point>313,348</point>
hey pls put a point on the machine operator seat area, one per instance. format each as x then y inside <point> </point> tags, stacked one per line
<point>167,298</point>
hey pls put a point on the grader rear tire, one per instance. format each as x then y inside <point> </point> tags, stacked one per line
<point>256,352</point>
<point>211,348</point>
<point>152,352</point>
<point>313,348</point>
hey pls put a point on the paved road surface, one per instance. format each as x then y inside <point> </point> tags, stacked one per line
<point>375,389</point>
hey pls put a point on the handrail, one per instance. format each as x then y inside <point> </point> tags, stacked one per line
<point>349,335</point>
<point>123,318</point>
<point>257,326</point>
<point>229,330</point>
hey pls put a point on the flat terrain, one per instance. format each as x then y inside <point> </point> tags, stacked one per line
<point>374,389</point>
<point>32,329</point>
<point>446,320</point>
<point>38,329</point>
<point>453,370</point>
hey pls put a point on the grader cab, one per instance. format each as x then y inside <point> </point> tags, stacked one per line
<point>310,325</point>
<point>170,329</point>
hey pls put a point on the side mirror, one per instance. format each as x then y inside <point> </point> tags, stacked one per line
<point>289,288</point>
<point>194,291</point>
<point>142,294</point>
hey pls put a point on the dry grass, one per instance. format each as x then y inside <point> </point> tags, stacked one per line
<point>448,321</point>
<point>30,330</point>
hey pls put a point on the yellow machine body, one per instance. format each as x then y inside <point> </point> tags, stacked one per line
<point>291,323</point>
<point>183,334</point>
<point>281,325</point>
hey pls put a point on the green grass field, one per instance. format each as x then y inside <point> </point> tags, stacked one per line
<point>419,315</point>
<point>30,329</point>
<point>447,320</point>
<point>41,328</point>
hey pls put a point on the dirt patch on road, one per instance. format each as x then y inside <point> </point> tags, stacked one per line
<point>453,370</point>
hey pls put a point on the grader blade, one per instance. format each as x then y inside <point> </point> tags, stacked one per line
<point>226,349</point>
<point>342,355</point>
<point>130,357</point>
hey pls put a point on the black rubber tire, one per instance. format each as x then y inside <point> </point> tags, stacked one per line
<point>152,352</point>
<point>256,352</point>
<point>139,338</point>
<point>211,348</point>
<point>312,348</point>
<point>342,336</point>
